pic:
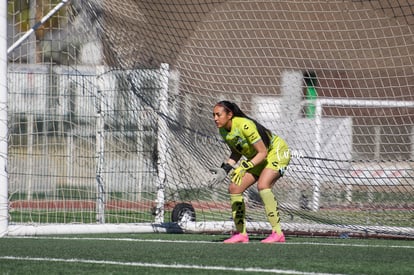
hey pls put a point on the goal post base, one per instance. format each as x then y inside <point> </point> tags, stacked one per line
<point>69,229</point>
<point>304,229</point>
<point>213,227</point>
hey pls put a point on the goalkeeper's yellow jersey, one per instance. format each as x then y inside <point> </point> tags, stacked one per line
<point>242,136</point>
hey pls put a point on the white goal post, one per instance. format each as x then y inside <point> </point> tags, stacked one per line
<point>3,120</point>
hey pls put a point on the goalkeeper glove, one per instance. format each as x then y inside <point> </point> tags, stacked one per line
<point>239,172</point>
<point>220,173</point>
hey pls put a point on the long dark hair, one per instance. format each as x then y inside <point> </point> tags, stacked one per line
<point>264,133</point>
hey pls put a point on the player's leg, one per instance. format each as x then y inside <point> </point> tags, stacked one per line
<point>266,180</point>
<point>238,209</point>
<point>277,160</point>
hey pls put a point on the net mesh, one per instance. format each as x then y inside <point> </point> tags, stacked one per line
<point>101,131</point>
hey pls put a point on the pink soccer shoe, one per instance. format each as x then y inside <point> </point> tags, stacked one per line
<point>238,238</point>
<point>274,238</point>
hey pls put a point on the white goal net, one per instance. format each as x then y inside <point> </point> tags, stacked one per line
<point>110,127</point>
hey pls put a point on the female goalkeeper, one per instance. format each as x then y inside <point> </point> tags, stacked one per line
<point>266,158</point>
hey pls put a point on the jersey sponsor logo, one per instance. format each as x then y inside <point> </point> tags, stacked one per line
<point>237,143</point>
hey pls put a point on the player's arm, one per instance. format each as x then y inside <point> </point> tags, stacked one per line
<point>261,153</point>
<point>253,137</point>
<point>234,158</point>
<point>261,150</point>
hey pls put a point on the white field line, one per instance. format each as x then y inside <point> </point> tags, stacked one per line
<point>173,266</point>
<point>210,242</point>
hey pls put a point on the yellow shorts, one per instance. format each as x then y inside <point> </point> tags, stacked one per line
<point>278,158</point>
